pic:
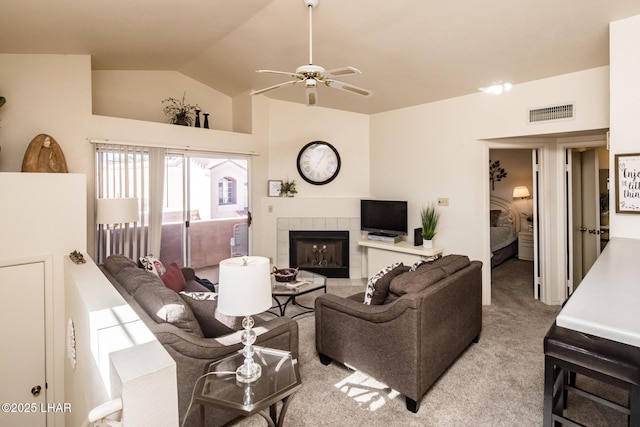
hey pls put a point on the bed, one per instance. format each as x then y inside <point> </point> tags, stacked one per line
<point>504,226</point>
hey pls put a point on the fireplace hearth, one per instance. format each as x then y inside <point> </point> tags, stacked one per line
<point>321,251</point>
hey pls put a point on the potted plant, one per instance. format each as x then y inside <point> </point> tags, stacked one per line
<point>429,217</point>
<point>179,113</point>
<point>288,188</point>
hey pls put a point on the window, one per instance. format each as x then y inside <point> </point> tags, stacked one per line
<point>227,191</point>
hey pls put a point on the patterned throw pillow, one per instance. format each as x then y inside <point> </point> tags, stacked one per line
<point>153,264</point>
<point>419,263</point>
<point>371,284</point>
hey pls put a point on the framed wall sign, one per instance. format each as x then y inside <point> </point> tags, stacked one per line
<point>627,183</point>
<point>274,188</point>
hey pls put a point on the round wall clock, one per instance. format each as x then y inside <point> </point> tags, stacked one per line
<point>318,162</point>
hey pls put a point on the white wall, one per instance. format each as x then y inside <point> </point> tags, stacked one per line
<point>139,94</point>
<point>625,105</point>
<point>438,150</point>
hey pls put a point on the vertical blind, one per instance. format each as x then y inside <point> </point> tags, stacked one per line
<point>130,171</point>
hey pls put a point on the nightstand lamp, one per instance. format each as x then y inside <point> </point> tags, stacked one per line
<point>521,192</point>
<point>244,289</point>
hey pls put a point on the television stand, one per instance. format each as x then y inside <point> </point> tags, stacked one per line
<point>386,238</point>
<point>380,254</point>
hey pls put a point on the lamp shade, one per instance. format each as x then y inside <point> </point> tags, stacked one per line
<point>244,286</point>
<point>117,210</point>
<point>521,192</point>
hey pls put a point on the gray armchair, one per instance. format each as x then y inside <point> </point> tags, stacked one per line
<point>408,342</point>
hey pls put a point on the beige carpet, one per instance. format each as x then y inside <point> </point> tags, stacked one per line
<point>496,382</point>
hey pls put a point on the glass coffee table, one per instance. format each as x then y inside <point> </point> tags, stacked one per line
<point>279,381</point>
<point>285,293</point>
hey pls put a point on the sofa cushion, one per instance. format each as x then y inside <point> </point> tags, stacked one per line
<point>415,281</point>
<point>132,278</point>
<point>165,306</point>
<point>152,264</point>
<point>452,263</point>
<point>115,263</point>
<point>205,307</point>
<point>383,277</point>
<point>173,278</point>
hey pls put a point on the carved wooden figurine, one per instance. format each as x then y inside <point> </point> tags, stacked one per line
<point>44,155</point>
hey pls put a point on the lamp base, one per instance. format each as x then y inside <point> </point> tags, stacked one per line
<point>248,373</point>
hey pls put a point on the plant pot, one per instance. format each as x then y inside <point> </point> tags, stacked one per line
<point>427,244</point>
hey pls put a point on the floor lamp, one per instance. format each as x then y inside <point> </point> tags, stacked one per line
<point>112,213</point>
<point>244,289</point>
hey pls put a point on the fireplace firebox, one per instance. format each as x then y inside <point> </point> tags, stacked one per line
<point>320,251</point>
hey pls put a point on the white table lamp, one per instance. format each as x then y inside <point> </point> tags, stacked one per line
<point>244,289</point>
<point>521,192</point>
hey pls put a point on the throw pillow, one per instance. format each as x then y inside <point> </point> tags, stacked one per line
<point>494,214</point>
<point>152,264</point>
<point>378,286</point>
<point>173,278</point>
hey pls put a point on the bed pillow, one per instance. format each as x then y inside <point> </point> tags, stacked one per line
<point>378,286</point>
<point>503,220</point>
<point>494,214</point>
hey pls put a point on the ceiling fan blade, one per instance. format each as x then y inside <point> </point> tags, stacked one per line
<point>348,88</point>
<point>311,91</point>
<point>343,71</point>
<point>285,73</point>
<point>279,85</point>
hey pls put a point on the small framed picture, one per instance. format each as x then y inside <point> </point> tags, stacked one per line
<point>274,188</point>
<point>627,183</point>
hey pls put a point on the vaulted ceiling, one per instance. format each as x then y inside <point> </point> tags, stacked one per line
<point>409,51</point>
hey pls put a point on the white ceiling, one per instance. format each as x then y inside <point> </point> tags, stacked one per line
<point>409,51</point>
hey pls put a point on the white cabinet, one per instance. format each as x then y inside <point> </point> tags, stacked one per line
<point>525,245</point>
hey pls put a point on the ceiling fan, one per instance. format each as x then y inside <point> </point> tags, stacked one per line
<point>313,75</point>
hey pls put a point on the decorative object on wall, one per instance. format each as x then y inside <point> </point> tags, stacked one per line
<point>274,188</point>
<point>627,183</point>
<point>496,173</point>
<point>197,117</point>
<point>2,102</point>
<point>179,113</point>
<point>429,217</point>
<point>44,155</point>
<point>318,163</point>
<point>206,120</point>
<point>288,188</point>
<point>521,192</point>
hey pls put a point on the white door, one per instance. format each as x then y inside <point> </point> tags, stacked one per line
<point>584,205</point>
<point>22,358</point>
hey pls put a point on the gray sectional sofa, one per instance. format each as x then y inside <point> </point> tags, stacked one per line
<point>189,327</point>
<point>417,325</point>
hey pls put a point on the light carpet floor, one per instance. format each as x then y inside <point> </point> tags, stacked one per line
<point>496,382</point>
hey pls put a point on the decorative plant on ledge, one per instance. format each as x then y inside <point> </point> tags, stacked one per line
<point>179,113</point>
<point>429,216</point>
<point>288,188</point>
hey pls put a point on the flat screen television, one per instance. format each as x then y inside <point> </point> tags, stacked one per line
<point>384,217</point>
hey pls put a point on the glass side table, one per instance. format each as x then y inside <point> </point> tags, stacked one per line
<point>306,281</point>
<point>279,381</point>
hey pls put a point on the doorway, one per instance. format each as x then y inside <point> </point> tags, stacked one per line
<point>205,210</point>
<point>587,207</point>
<point>514,192</point>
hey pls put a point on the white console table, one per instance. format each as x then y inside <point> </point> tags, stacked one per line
<point>381,254</point>
<point>605,304</point>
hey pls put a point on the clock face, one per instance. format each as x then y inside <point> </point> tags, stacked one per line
<point>318,162</point>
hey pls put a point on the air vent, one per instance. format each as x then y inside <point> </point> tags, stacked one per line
<point>555,112</point>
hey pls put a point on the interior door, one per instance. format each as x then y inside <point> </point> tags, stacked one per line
<point>22,358</point>
<point>584,213</point>
<point>537,274</point>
